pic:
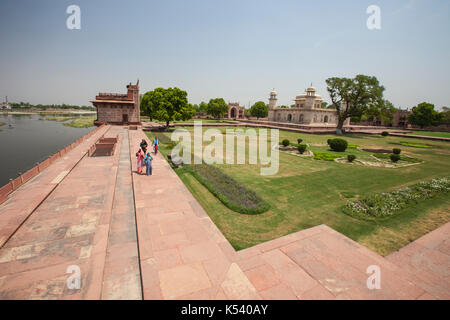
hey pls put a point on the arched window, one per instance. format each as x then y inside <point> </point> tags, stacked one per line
<point>301,118</point>
<point>289,117</point>
<point>325,119</point>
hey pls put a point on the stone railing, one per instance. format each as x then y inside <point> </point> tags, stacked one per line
<point>39,167</point>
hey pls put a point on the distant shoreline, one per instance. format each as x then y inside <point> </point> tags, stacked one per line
<point>54,111</point>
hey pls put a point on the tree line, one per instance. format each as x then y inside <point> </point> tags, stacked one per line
<point>171,104</point>
<point>27,105</point>
<point>358,98</point>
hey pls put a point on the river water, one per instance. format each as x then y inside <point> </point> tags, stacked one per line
<point>25,140</point>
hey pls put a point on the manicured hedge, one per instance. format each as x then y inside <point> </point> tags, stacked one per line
<point>230,192</point>
<point>394,157</point>
<point>387,203</point>
<point>338,145</point>
<point>301,148</point>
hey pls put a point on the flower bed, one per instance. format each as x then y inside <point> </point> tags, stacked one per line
<point>384,156</point>
<point>230,192</point>
<point>387,204</point>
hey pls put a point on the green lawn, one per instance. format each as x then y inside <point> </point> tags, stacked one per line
<point>307,192</point>
<point>432,134</point>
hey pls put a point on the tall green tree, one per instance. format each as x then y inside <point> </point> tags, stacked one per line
<point>385,112</point>
<point>203,107</point>
<point>166,105</point>
<point>445,115</point>
<point>217,107</point>
<point>259,110</point>
<point>424,115</point>
<point>353,97</point>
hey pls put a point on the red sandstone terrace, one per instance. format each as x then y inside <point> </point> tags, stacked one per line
<point>139,237</point>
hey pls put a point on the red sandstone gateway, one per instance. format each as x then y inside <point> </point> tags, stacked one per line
<point>116,108</point>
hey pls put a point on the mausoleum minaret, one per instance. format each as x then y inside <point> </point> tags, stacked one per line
<point>272,105</point>
<point>273,100</point>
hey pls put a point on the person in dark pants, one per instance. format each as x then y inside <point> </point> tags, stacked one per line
<point>144,146</point>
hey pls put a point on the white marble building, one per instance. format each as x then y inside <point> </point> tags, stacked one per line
<point>307,110</point>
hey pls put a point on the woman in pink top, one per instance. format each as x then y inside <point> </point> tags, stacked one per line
<point>140,160</point>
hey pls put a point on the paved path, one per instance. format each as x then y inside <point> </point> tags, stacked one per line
<point>122,278</point>
<point>428,261</point>
<point>22,202</point>
<point>70,228</point>
<point>135,236</point>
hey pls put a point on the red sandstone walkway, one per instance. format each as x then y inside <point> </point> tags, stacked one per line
<point>428,262</point>
<point>22,202</point>
<point>136,236</point>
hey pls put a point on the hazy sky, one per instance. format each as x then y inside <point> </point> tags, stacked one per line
<point>235,49</point>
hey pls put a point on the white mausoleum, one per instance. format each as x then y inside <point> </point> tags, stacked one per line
<point>307,110</point>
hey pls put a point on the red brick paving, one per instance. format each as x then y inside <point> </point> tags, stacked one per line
<point>163,245</point>
<point>23,201</point>
<point>428,261</point>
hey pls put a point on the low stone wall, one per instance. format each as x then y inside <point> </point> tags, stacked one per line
<point>39,167</point>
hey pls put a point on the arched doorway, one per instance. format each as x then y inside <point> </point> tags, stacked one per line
<point>325,119</point>
<point>300,119</point>
<point>289,117</point>
<point>233,113</point>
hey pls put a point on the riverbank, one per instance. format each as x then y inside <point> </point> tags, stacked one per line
<point>26,140</point>
<point>78,121</point>
<point>50,112</point>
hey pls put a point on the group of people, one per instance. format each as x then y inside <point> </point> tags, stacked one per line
<point>144,158</point>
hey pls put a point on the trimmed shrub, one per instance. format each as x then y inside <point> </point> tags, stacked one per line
<point>285,142</point>
<point>230,192</point>
<point>328,141</point>
<point>385,133</point>
<point>299,141</point>
<point>395,157</point>
<point>301,148</point>
<point>351,157</point>
<point>396,151</point>
<point>338,145</point>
